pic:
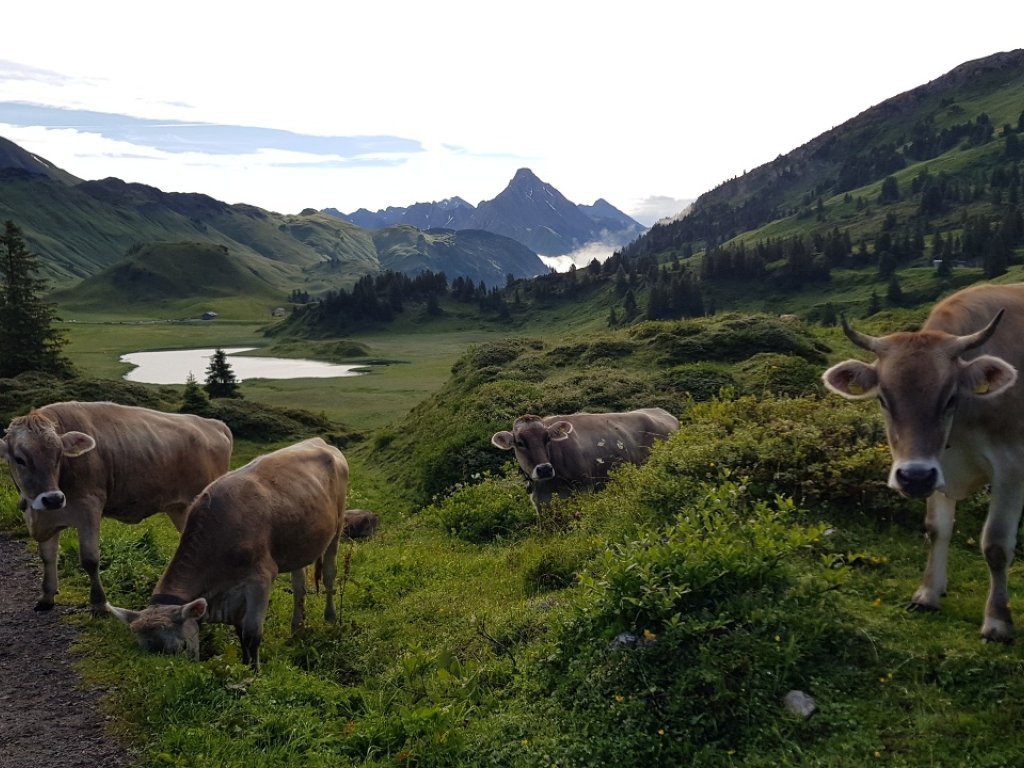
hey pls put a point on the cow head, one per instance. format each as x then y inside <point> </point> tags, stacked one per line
<point>919,379</point>
<point>165,628</point>
<point>33,449</point>
<point>530,438</point>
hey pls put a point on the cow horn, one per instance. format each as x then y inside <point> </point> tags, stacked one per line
<point>862,340</point>
<point>976,339</point>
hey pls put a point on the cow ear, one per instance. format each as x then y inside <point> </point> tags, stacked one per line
<point>560,430</point>
<point>503,440</point>
<point>194,610</point>
<point>853,379</point>
<point>76,443</point>
<point>122,614</point>
<point>986,375</point>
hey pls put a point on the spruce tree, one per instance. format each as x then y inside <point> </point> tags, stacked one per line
<point>28,339</point>
<point>220,378</point>
<point>194,399</point>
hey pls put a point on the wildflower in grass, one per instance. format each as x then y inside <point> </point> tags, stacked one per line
<point>878,602</point>
<point>619,698</point>
<point>649,636</point>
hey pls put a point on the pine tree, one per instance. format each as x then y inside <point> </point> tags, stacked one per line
<point>194,399</point>
<point>220,378</point>
<point>28,340</point>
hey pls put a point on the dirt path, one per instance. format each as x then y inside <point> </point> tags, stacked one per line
<point>46,717</point>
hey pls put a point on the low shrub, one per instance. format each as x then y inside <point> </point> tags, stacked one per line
<point>700,381</point>
<point>496,508</point>
<point>768,373</point>
<point>688,637</point>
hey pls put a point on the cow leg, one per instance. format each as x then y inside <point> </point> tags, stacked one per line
<point>89,558</point>
<point>938,526</point>
<point>49,550</point>
<point>330,560</point>
<point>998,540</point>
<point>250,629</point>
<point>298,598</point>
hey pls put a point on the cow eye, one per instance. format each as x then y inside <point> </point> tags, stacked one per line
<point>881,402</point>
<point>19,461</point>
<point>519,444</point>
<point>951,403</point>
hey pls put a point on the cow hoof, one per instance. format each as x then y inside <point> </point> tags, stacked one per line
<point>43,605</point>
<point>995,631</point>
<point>921,607</point>
<point>997,638</point>
<point>99,611</point>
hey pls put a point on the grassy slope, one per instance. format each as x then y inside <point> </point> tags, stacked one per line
<point>432,624</point>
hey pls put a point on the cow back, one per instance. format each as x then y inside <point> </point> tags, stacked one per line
<point>601,441</point>
<point>144,460</point>
<point>277,513</point>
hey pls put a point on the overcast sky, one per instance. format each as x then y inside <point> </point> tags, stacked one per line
<point>347,105</point>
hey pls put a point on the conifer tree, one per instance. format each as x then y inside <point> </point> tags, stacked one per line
<point>28,339</point>
<point>194,399</point>
<point>220,378</point>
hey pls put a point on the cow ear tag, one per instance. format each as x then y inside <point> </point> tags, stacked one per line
<point>981,388</point>
<point>854,388</point>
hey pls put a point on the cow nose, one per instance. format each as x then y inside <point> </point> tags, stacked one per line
<point>917,480</point>
<point>544,471</point>
<point>52,500</point>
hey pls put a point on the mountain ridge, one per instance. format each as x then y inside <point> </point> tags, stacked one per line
<point>528,210</point>
<point>81,228</point>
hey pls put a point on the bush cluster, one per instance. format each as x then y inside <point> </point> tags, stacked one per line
<point>495,508</point>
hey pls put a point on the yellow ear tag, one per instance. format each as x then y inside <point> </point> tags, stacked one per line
<point>854,388</point>
<point>981,388</point>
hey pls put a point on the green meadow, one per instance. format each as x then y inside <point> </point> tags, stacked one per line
<point>659,622</point>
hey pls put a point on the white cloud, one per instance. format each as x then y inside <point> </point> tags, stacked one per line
<point>650,100</point>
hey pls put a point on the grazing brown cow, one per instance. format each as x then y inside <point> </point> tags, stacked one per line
<point>77,462</point>
<point>360,524</point>
<point>954,412</point>
<point>277,514</point>
<point>564,454</point>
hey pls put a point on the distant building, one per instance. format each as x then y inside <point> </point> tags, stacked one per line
<point>278,312</point>
<point>209,315</point>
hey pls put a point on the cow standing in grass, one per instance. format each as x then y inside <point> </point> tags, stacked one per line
<point>954,412</point>
<point>564,454</point>
<point>277,514</point>
<point>75,463</point>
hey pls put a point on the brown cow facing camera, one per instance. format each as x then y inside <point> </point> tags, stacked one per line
<point>75,463</point>
<point>277,514</point>
<point>953,407</point>
<point>564,454</point>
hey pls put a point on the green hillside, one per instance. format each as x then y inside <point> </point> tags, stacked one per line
<point>80,229</point>
<point>176,280</point>
<point>932,175</point>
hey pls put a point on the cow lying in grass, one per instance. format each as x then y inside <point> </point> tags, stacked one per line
<point>564,454</point>
<point>277,514</point>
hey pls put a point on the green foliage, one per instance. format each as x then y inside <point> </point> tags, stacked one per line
<point>266,423</point>
<point>220,377</point>
<point>28,339</point>
<point>193,398</point>
<point>785,375</point>
<point>728,338</point>
<point>701,381</point>
<point>490,510</point>
<point>688,637</point>
<point>20,394</point>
